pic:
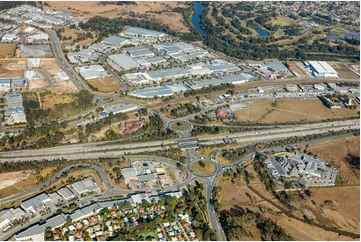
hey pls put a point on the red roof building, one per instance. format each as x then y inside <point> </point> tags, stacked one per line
<point>130,127</point>
<point>221,113</point>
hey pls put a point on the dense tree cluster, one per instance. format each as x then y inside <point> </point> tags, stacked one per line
<point>82,101</point>
<point>248,47</point>
<point>237,221</point>
<point>184,109</point>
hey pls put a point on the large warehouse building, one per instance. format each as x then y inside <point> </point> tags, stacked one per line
<point>124,61</point>
<point>140,32</point>
<point>321,69</point>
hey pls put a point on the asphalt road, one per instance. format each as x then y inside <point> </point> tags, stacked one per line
<point>104,149</point>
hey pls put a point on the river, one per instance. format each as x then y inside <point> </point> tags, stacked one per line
<point>195,19</point>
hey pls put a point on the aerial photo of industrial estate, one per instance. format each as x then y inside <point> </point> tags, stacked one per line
<point>172,121</point>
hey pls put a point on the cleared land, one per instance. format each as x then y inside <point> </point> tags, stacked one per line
<point>238,193</point>
<point>157,10</point>
<point>344,71</point>
<point>50,66</point>
<point>64,87</point>
<point>335,152</point>
<point>16,182</point>
<point>10,178</point>
<point>346,210</point>
<point>49,100</point>
<point>290,111</point>
<point>106,84</point>
<point>208,169</point>
<point>72,35</point>
<point>35,51</point>
<point>12,68</point>
<point>296,69</point>
<point>36,84</point>
<point>7,50</point>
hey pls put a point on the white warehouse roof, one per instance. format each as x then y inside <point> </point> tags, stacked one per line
<point>124,61</point>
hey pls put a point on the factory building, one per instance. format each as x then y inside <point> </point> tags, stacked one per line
<point>140,32</point>
<point>139,51</point>
<point>123,61</point>
<point>9,37</point>
<point>321,69</point>
<point>158,91</point>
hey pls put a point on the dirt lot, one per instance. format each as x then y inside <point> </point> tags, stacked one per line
<point>50,100</point>
<point>289,111</point>
<point>12,68</point>
<point>16,182</point>
<point>335,151</point>
<point>106,84</point>
<point>10,178</point>
<point>50,66</point>
<point>64,87</point>
<point>37,84</point>
<point>343,71</point>
<point>296,69</point>
<point>91,9</point>
<point>346,212</point>
<point>7,50</point>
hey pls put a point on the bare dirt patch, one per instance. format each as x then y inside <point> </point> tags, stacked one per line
<point>49,100</point>
<point>8,179</point>
<point>335,152</point>
<point>296,69</point>
<point>7,50</point>
<point>344,71</point>
<point>64,87</point>
<point>37,84</point>
<point>12,68</point>
<point>50,66</point>
<point>238,193</point>
<point>290,111</point>
<point>157,10</point>
<point>21,185</point>
<point>106,84</point>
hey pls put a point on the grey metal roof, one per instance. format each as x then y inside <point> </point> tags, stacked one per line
<point>277,66</point>
<point>90,74</point>
<point>142,32</point>
<point>145,178</point>
<point>5,81</point>
<point>169,73</point>
<point>120,108</point>
<point>128,173</point>
<point>19,81</point>
<point>66,193</point>
<point>14,110</point>
<point>138,51</point>
<point>124,61</point>
<point>54,197</point>
<point>35,201</point>
<point>34,230</point>
<point>11,98</point>
<point>114,40</point>
<point>56,221</point>
<point>86,185</point>
<point>158,91</point>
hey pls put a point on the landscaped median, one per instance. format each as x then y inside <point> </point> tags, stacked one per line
<point>203,167</point>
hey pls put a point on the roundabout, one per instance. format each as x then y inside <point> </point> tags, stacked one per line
<point>179,126</point>
<point>203,167</point>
